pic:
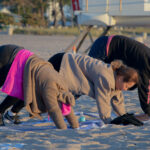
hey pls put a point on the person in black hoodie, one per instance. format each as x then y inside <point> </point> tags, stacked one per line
<point>134,54</point>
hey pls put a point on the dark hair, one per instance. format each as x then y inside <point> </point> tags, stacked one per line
<point>129,74</point>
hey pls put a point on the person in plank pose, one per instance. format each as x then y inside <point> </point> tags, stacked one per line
<point>134,54</point>
<point>85,75</point>
<point>35,83</point>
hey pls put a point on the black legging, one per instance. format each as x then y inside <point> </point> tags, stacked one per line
<point>8,102</point>
<point>56,60</point>
<point>7,55</point>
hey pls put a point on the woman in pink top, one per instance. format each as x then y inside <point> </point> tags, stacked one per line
<point>32,81</point>
<point>7,55</point>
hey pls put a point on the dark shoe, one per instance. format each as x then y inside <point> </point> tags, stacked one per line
<point>2,120</point>
<point>14,119</point>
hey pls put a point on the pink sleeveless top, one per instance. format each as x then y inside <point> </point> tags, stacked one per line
<point>148,98</point>
<point>108,44</point>
<point>13,84</point>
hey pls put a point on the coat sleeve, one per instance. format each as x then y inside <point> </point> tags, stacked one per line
<point>117,102</point>
<point>49,96</point>
<point>102,96</point>
<point>72,119</point>
<point>49,92</point>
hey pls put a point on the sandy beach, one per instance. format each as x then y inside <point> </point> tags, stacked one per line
<point>33,134</point>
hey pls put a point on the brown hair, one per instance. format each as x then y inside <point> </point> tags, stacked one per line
<point>129,74</point>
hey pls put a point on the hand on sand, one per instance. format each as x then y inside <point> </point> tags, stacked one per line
<point>67,98</point>
<point>142,117</point>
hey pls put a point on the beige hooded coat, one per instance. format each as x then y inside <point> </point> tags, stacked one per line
<point>85,75</point>
<point>42,88</point>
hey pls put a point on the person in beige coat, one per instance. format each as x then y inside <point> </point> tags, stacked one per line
<point>84,75</point>
<point>35,83</point>
<point>45,91</point>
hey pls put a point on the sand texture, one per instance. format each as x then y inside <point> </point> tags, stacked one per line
<point>34,134</point>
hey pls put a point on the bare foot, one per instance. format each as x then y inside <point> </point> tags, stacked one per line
<point>142,117</point>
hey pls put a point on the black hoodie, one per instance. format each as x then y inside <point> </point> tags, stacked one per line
<point>136,55</point>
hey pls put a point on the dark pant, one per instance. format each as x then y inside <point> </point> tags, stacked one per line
<point>7,55</point>
<point>98,49</point>
<point>56,60</point>
<point>8,102</point>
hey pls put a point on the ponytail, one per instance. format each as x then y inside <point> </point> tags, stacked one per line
<point>129,74</point>
<point>116,64</point>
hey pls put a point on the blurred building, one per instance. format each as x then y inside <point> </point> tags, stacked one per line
<point>5,10</point>
<point>55,8</point>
